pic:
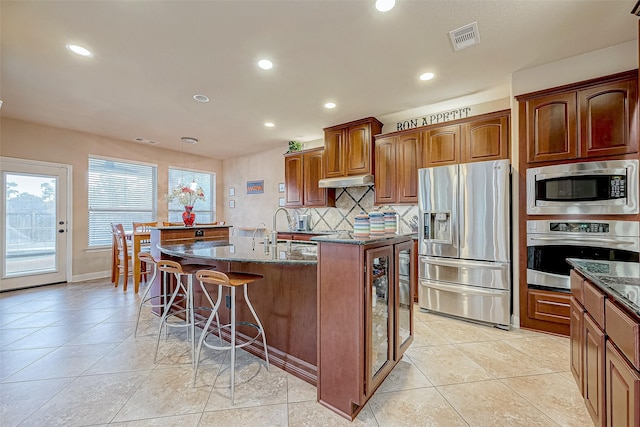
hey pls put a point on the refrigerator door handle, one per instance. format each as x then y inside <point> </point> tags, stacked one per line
<point>465,263</point>
<point>460,289</point>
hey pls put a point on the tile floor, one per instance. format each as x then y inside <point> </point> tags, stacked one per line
<point>68,357</point>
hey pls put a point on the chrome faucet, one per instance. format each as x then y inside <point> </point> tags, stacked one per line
<point>253,238</point>
<point>274,232</point>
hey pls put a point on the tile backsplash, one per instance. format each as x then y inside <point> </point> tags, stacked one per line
<point>349,203</point>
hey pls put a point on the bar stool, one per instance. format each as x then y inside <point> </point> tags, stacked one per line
<point>146,300</point>
<point>230,280</point>
<point>186,292</point>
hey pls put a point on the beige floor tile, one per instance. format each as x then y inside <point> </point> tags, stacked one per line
<point>168,392</point>
<point>12,361</point>
<point>9,318</point>
<point>68,361</point>
<point>502,360</point>
<point>299,390</point>
<point>10,335</point>
<point>189,420</point>
<point>462,332</point>
<point>262,416</point>
<point>125,357</point>
<point>424,407</point>
<point>254,385</point>
<point>491,403</point>
<point>446,364</point>
<point>549,350</point>
<point>19,400</point>
<point>425,335</point>
<point>554,394</point>
<point>50,336</point>
<point>405,376</point>
<point>312,414</point>
<point>88,400</point>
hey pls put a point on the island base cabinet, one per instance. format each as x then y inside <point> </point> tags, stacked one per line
<point>622,392</point>
<point>362,332</point>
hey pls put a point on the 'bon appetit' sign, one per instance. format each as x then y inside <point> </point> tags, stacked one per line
<point>431,119</point>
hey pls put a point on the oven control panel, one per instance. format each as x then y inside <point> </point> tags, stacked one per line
<point>579,227</point>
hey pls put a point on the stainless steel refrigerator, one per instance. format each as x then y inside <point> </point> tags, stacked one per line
<point>464,241</point>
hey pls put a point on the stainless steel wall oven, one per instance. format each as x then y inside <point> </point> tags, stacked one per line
<point>550,243</point>
<point>609,187</point>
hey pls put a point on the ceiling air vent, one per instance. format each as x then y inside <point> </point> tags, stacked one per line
<point>464,37</point>
<point>146,141</point>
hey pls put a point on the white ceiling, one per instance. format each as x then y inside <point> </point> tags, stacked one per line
<point>151,57</point>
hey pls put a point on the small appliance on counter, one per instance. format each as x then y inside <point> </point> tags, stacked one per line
<point>303,223</point>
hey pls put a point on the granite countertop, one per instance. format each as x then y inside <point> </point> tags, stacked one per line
<point>246,249</point>
<point>349,238</point>
<point>621,280</point>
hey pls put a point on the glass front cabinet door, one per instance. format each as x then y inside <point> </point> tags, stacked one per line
<point>405,274</point>
<point>379,303</point>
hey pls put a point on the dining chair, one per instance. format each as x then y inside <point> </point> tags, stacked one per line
<point>141,242</point>
<point>121,256</point>
<point>206,223</point>
<point>172,224</point>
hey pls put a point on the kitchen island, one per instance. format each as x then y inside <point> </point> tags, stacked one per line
<point>285,299</point>
<point>605,339</point>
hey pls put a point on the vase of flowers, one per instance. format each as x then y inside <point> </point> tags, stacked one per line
<point>187,195</point>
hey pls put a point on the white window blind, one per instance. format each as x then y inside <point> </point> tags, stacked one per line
<point>119,192</point>
<point>205,210</point>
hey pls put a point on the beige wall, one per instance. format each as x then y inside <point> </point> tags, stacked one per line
<point>251,209</point>
<point>24,140</point>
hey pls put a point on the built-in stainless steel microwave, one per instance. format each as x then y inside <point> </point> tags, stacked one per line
<point>609,187</point>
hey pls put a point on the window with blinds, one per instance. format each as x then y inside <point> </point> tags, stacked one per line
<point>119,192</point>
<point>205,210</point>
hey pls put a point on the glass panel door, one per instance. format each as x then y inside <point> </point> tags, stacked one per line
<point>380,335</point>
<point>34,243</point>
<point>404,297</point>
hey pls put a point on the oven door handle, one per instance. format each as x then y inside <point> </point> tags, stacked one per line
<point>582,240</point>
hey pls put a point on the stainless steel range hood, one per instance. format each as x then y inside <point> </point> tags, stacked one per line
<point>346,181</point>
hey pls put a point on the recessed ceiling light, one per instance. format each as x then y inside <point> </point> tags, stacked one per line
<point>330,105</point>
<point>189,140</point>
<point>265,64</point>
<point>427,76</point>
<point>385,5</point>
<point>79,50</point>
<point>201,98</point>
<point>269,124</point>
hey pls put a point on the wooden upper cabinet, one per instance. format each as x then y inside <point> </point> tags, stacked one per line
<point>408,155</point>
<point>358,149</point>
<point>313,163</point>
<point>385,183</point>
<point>551,128</point>
<point>594,118</point>
<point>349,148</point>
<point>396,164</point>
<point>607,125</point>
<point>486,139</point>
<point>293,177</point>
<point>441,146</point>
<point>333,153</point>
<point>302,171</point>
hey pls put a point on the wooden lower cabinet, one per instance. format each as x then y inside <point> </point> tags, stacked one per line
<point>576,342</point>
<point>603,360</point>
<point>622,390</point>
<point>593,374</point>
<point>550,307</point>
